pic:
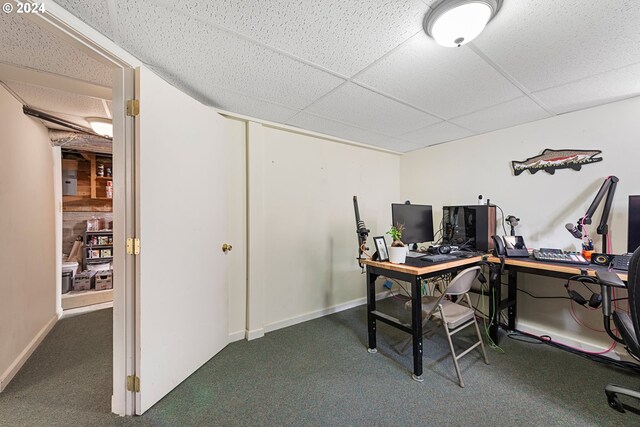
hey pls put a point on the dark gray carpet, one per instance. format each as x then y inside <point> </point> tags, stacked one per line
<point>318,373</point>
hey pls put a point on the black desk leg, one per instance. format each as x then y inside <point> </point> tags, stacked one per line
<point>371,307</point>
<point>513,299</point>
<point>495,295</point>
<point>416,327</point>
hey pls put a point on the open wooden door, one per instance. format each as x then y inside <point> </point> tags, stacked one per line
<point>182,293</point>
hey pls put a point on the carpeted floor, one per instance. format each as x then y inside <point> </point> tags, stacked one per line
<point>318,373</point>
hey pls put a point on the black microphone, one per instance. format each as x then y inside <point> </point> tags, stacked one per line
<point>512,220</point>
<point>574,230</point>
<point>362,229</point>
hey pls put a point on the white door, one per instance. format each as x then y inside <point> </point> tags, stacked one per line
<point>182,293</point>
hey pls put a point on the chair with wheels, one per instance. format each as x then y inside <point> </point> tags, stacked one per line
<point>453,316</point>
<point>628,325</point>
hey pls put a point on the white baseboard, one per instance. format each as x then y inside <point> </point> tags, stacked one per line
<point>320,313</point>
<point>237,336</point>
<point>70,312</point>
<point>13,369</point>
<point>572,341</point>
<point>254,334</point>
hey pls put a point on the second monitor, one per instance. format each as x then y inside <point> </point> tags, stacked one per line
<point>417,221</point>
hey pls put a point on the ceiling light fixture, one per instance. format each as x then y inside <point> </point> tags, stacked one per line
<point>457,22</point>
<point>101,126</point>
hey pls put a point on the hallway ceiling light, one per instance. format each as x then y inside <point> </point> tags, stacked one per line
<point>457,22</point>
<point>101,126</point>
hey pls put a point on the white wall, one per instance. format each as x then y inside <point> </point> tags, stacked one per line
<point>303,245</point>
<point>457,172</point>
<point>27,242</point>
<point>237,220</point>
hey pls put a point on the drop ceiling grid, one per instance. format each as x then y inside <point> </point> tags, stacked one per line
<point>339,129</point>
<point>435,134</point>
<point>595,90</point>
<point>510,113</point>
<point>361,30</point>
<point>229,100</point>
<point>361,107</point>
<point>444,82</point>
<point>546,43</point>
<point>57,101</point>
<point>25,44</point>
<point>223,59</point>
<point>94,13</point>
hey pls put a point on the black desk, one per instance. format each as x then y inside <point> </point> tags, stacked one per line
<point>527,265</point>
<point>414,275</point>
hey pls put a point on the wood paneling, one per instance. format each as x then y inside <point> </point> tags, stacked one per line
<point>91,194</point>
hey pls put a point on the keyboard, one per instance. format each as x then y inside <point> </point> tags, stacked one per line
<point>558,255</point>
<point>438,258</point>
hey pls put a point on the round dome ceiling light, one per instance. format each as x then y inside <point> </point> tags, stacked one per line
<point>456,22</point>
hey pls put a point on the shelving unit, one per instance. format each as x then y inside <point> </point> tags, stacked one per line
<point>98,243</point>
<point>91,189</point>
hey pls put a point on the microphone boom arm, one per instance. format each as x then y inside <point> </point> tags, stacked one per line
<point>362,231</point>
<point>608,187</point>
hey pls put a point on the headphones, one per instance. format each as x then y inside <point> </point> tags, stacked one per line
<point>441,249</point>
<point>594,301</point>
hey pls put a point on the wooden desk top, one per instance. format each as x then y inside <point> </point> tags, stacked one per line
<point>418,271</point>
<point>549,266</point>
<point>519,262</point>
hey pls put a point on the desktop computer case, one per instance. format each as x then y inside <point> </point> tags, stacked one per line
<point>475,223</point>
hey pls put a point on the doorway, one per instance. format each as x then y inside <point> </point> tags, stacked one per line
<point>60,81</point>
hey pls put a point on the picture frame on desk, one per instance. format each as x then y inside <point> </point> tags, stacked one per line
<point>381,248</point>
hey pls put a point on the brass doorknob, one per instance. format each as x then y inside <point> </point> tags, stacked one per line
<point>226,247</point>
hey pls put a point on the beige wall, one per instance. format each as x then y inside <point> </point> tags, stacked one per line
<point>303,243</point>
<point>27,233</point>
<point>457,172</point>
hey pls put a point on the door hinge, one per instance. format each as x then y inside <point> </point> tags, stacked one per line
<point>133,107</point>
<point>133,383</point>
<point>133,246</point>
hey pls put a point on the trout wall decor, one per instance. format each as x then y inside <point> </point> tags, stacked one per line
<point>550,160</point>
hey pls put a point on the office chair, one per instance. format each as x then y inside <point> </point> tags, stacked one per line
<point>454,316</point>
<point>628,325</point>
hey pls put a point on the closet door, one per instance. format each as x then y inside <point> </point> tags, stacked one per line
<point>182,292</point>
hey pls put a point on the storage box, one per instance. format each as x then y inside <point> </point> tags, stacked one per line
<point>104,280</point>
<point>83,281</point>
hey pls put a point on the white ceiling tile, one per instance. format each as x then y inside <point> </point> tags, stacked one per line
<point>331,127</point>
<point>440,132</point>
<point>94,13</point>
<point>597,90</point>
<point>343,36</point>
<point>232,101</point>
<point>444,81</point>
<point>363,108</point>
<point>27,45</point>
<point>53,100</point>
<point>204,55</point>
<point>545,43</point>
<point>510,113</point>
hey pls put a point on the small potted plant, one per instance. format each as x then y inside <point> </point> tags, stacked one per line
<point>398,250</point>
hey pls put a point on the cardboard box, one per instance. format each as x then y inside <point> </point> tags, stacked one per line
<point>83,281</point>
<point>104,280</point>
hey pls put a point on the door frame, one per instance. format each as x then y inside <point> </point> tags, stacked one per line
<point>69,29</point>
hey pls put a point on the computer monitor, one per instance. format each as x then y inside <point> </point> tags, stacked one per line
<point>417,221</point>
<point>634,224</point>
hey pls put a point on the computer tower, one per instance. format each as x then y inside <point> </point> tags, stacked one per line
<point>471,226</point>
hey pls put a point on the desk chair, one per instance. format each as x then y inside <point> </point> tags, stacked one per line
<point>454,316</point>
<point>628,325</point>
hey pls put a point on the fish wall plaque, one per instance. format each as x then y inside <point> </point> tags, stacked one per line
<point>551,160</point>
